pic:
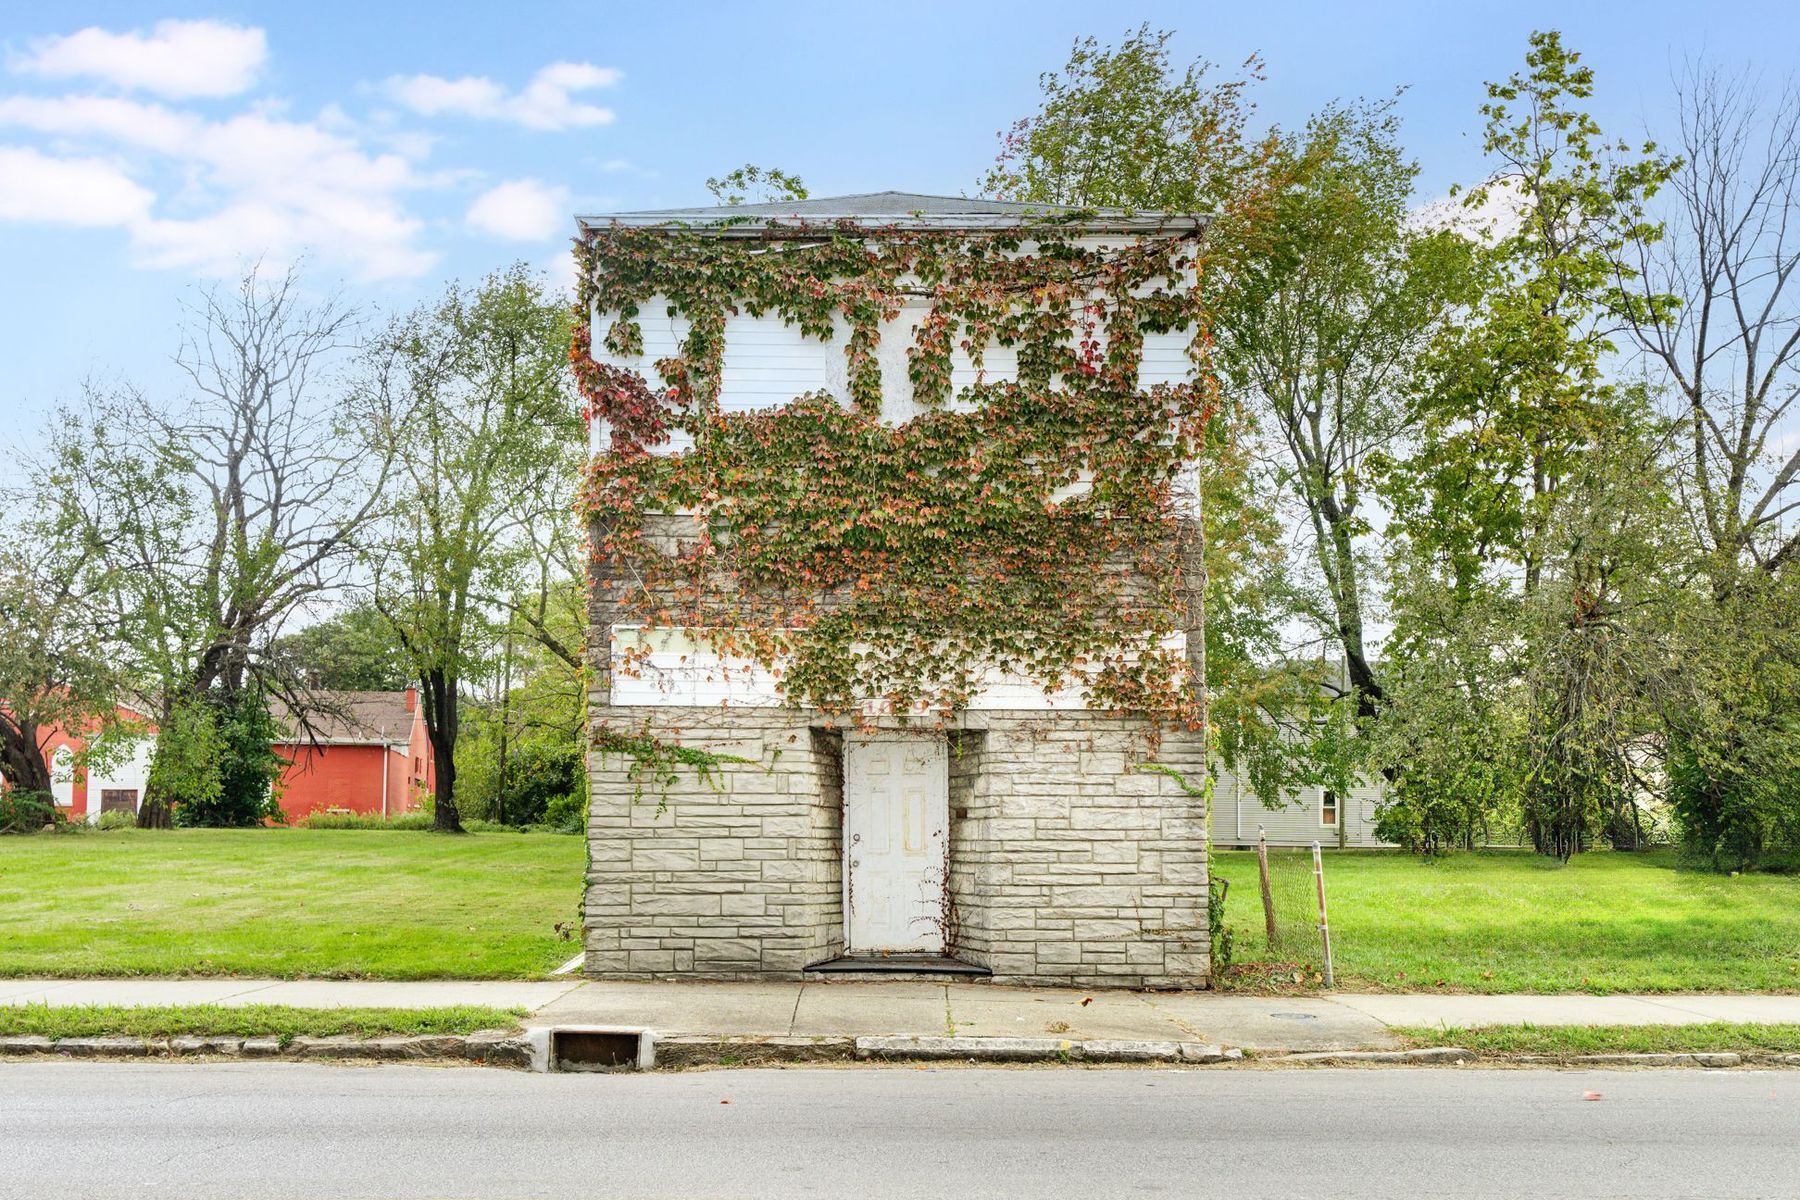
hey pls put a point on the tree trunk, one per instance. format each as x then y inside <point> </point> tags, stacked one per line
<point>505,721</point>
<point>1337,558</point>
<point>155,812</point>
<point>438,694</point>
<point>22,762</point>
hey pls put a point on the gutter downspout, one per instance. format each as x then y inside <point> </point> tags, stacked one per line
<point>387,763</point>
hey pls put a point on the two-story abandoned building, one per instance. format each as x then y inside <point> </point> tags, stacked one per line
<point>792,771</point>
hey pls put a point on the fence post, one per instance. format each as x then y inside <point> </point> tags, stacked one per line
<point>1324,925</point>
<point>1262,867</point>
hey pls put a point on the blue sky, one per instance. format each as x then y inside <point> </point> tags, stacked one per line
<point>399,144</point>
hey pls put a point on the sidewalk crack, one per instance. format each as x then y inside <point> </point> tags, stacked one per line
<point>264,986</point>
<point>1663,1002</point>
<point>794,1017</point>
<point>1170,1017</point>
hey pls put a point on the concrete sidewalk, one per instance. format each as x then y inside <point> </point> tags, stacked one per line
<point>815,1009</point>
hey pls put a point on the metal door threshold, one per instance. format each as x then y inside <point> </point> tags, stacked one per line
<point>897,964</point>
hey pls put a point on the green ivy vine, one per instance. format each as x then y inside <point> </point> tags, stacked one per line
<point>1025,525</point>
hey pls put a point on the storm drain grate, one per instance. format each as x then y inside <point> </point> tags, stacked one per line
<point>599,1050</point>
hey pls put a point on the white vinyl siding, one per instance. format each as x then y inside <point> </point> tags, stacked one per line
<point>679,672</point>
<point>1166,358</point>
<point>1237,811</point>
<point>769,362</point>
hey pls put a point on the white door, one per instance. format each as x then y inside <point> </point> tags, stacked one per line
<point>896,829</point>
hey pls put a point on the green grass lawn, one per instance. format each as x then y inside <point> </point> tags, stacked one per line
<point>393,905</point>
<point>290,903</point>
<point>1611,1039</point>
<point>1517,922</point>
<point>250,1020</point>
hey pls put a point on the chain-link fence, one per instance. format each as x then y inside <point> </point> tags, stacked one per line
<point>1273,913</point>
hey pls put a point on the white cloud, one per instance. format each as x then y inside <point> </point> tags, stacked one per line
<point>203,189</point>
<point>1498,216</point>
<point>521,210</point>
<point>624,166</point>
<point>132,122</point>
<point>559,271</point>
<point>253,185</point>
<point>176,58</point>
<point>67,191</point>
<point>546,102</point>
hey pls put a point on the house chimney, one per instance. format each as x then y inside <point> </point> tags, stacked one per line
<point>412,698</point>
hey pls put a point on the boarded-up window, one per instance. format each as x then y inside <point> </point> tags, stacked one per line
<point>1328,809</point>
<point>118,800</point>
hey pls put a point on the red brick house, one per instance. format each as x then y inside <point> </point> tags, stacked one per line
<point>364,752</point>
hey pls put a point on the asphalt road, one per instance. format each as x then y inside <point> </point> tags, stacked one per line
<point>285,1130</point>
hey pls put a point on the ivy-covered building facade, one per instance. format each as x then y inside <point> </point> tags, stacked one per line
<point>896,605</point>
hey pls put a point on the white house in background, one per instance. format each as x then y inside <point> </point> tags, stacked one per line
<point>1335,820</point>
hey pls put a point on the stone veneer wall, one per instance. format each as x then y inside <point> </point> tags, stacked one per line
<point>1066,867</point>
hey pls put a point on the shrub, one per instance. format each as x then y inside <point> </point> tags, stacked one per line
<point>117,818</point>
<point>567,813</point>
<point>244,763</point>
<point>539,772</point>
<point>1734,811</point>
<point>403,822</point>
<point>26,812</point>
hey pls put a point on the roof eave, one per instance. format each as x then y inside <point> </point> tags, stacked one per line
<point>942,222</point>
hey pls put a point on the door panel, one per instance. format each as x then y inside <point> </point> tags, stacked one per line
<point>896,830</point>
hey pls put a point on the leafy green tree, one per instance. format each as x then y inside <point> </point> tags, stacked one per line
<point>758,185</point>
<point>1732,724</point>
<point>185,771</point>
<point>525,740</point>
<point>236,787</point>
<point>220,513</point>
<point>1510,502</point>
<point>1325,327</point>
<point>56,665</point>
<point>1520,390</point>
<point>1596,655</point>
<point>1728,361</point>
<point>352,650</point>
<point>486,451</point>
<point>1122,126</point>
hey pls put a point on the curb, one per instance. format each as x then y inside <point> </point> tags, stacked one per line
<point>523,1051</point>
<point>705,1051</point>
<point>1695,1059</point>
<point>1013,1049</point>
<point>493,1048</point>
<point>1329,1058</point>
